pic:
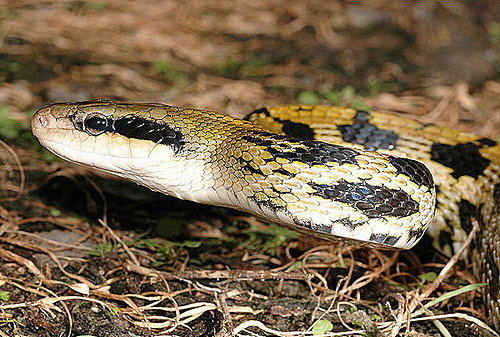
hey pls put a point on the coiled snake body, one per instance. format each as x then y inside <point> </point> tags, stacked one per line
<point>310,168</point>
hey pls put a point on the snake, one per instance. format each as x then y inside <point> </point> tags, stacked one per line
<point>368,178</point>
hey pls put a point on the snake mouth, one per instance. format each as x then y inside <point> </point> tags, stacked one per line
<point>109,152</point>
<point>58,128</point>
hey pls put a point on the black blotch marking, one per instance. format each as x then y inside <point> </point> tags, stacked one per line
<point>78,124</point>
<point>307,151</point>
<point>319,153</point>
<point>373,201</point>
<point>444,238</point>
<point>464,159</point>
<point>264,111</point>
<point>364,133</point>
<point>384,239</point>
<point>145,129</point>
<point>301,108</point>
<point>487,142</point>
<point>247,166</point>
<point>327,228</point>
<point>322,228</point>
<point>285,172</point>
<point>379,238</point>
<point>297,130</point>
<point>466,212</point>
<point>348,223</point>
<point>391,240</point>
<point>289,128</point>
<point>415,170</point>
<point>415,234</point>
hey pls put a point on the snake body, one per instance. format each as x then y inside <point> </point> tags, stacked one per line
<point>310,168</point>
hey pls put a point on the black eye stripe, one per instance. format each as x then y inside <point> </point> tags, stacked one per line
<point>141,128</point>
<point>131,127</point>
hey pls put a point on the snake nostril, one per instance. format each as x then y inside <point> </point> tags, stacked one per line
<point>43,121</point>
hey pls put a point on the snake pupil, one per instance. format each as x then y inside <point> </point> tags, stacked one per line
<point>96,124</point>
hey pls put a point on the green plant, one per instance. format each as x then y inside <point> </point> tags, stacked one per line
<point>427,277</point>
<point>4,295</point>
<point>308,97</point>
<point>345,96</point>
<point>248,68</point>
<point>268,239</point>
<point>165,250</point>
<point>9,128</point>
<point>100,249</point>
<point>170,73</point>
<point>321,327</point>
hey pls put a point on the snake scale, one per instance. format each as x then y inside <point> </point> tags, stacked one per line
<point>366,177</point>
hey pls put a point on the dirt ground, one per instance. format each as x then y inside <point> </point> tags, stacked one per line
<point>85,254</point>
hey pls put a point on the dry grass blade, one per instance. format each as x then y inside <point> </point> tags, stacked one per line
<point>22,175</point>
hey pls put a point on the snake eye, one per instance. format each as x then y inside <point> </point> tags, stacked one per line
<point>96,124</point>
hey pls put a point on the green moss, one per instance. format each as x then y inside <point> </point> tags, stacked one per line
<point>321,327</point>
<point>171,74</point>
<point>79,6</point>
<point>268,239</point>
<point>101,249</point>
<point>4,295</point>
<point>308,97</point>
<point>249,68</point>
<point>494,33</point>
<point>9,128</point>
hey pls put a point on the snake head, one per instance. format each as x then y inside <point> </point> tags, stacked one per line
<point>128,140</point>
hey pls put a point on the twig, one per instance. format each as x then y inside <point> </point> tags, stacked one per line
<point>21,171</point>
<point>428,290</point>
<point>120,241</point>
<point>10,256</point>
<point>222,274</point>
<point>227,323</point>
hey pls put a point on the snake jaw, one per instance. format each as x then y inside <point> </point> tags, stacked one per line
<point>61,129</point>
